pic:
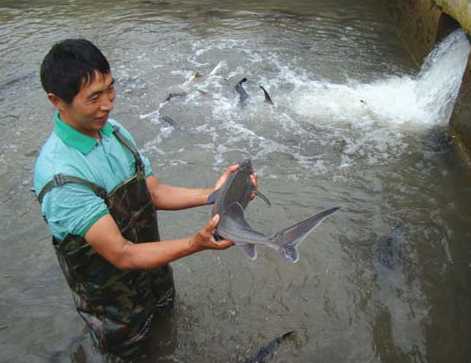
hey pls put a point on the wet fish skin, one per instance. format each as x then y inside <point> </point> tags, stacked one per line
<point>230,202</point>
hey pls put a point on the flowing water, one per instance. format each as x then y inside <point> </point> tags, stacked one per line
<point>355,123</point>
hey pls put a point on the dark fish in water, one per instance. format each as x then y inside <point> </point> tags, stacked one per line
<point>389,252</point>
<point>267,351</point>
<point>243,95</point>
<point>169,120</point>
<point>230,202</point>
<point>175,94</point>
<point>267,96</point>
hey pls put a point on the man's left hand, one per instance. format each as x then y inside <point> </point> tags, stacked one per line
<point>232,169</point>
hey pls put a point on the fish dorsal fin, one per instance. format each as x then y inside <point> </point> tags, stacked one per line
<point>267,96</point>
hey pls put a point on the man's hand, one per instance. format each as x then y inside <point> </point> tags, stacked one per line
<point>204,238</point>
<point>222,179</point>
<point>232,169</point>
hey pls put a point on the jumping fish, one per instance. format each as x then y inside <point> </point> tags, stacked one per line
<point>230,202</point>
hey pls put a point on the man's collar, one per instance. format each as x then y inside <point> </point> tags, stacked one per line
<point>76,139</point>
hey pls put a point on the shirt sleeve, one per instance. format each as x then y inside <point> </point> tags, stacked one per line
<point>147,165</point>
<point>72,209</point>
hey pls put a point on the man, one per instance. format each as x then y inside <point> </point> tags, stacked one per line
<point>99,198</point>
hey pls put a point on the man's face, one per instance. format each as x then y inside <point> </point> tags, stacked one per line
<point>90,108</point>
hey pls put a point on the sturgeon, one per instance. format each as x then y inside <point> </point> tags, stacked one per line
<point>231,200</point>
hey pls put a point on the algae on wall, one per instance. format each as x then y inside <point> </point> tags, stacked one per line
<point>459,10</point>
<point>418,25</point>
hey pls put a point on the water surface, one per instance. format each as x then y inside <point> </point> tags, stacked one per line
<point>355,123</point>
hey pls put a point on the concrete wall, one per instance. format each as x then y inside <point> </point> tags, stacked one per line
<point>421,24</point>
<point>418,25</point>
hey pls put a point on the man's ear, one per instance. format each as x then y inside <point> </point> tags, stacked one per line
<point>56,101</point>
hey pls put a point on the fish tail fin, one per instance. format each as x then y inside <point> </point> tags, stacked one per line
<point>289,238</point>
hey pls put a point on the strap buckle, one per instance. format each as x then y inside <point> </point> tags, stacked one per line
<point>101,193</point>
<point>58,180</point>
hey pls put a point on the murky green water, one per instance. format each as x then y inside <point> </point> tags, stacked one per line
<point>347,129</point>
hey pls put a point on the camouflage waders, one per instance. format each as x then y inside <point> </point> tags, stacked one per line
<point>117,306</point>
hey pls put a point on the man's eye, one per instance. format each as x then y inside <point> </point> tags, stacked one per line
<point>93,99</point>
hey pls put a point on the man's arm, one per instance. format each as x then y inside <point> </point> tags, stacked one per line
<point>105,237</point>
<point>168,197</point>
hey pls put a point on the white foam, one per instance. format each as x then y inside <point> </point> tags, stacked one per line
<point>320,124</point>
<point>422,100</point>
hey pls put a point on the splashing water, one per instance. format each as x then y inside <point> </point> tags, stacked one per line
<point>320,124</point>
<point>426,99</point>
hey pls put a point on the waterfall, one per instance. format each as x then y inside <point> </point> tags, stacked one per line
<point>424,99</point>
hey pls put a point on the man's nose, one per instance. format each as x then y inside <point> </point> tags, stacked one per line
<point>106,104</point>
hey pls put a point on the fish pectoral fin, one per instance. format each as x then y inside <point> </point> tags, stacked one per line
<point>263,197</point>
<point>234,223</point>
<point>249,249</point>
<point>233,226</point>
<point>289,238</point>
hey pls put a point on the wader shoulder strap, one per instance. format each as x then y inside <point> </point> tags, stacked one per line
<point>60,179</point>
<point>131,148</point>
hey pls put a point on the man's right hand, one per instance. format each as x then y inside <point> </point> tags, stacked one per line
<point>204,238</point>
<point>106,239</point>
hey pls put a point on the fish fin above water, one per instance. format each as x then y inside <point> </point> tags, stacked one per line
<point>175,94</point>
<point>249,249</point>
<point>289,238</point>
<point>267,96</point>
<point>263,197</point>
<point>241,91</point>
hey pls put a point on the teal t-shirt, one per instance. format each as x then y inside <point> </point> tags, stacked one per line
<point>74,208</point>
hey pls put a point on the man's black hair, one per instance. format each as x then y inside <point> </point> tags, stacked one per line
<point>70,64</point>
